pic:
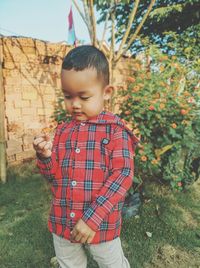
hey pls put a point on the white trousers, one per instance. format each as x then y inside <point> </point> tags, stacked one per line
<point>72,255</point>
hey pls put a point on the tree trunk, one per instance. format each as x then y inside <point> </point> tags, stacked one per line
<point>112,66</point>
<point>2,127</point>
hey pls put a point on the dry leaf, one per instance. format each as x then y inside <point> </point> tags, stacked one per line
<point>149,234</point>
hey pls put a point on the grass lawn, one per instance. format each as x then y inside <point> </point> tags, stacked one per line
<point>173,219</point>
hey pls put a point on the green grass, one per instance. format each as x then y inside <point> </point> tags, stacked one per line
<point>172,218</point>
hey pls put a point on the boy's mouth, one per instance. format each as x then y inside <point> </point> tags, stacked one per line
<point>78,114</point>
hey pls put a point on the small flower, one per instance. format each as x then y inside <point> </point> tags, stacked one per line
<point>162,68</point>
<point>162,105</point>
<point>127,112</point>
<point>137,66</point>
<point>136,88</point>
<point>179,184</point>
<point>186,93</point>
<point>174,125</point>
<point>151,108</point>
<point>141,151</point>
<point>175,65</point>
<point>131,79</point>
<point>191,100</point>
<point>154,161</point>
<point>143,158</point>
<point>183,111</point>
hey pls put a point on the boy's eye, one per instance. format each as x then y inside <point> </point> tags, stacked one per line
<point>85,98</point>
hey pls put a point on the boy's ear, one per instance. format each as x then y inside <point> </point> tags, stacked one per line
<point>108,91</point>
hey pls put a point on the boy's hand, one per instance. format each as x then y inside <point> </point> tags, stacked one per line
<point>43,145</point>
<point>82,232</point>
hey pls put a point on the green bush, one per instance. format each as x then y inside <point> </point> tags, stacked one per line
<point>162,105</point>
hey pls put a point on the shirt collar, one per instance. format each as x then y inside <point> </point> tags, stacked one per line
<point>106,117</point>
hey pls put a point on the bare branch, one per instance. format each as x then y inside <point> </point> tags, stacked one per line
<point>112,45</point>
<point>88,19</point>
<point>133,37</point>
<point>130,21</point>
<point>93,22</point>
<point>105,29</point>
<point>80,12</point>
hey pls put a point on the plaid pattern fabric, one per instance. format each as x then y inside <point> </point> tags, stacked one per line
<point>90,170</point>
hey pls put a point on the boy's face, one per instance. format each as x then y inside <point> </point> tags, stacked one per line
<point>84,93</point>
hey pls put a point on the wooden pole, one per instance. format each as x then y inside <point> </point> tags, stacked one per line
<point>2,121</point>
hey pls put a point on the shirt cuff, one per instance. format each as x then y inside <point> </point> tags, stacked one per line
<point>44,160</point>
<point>93,218</point>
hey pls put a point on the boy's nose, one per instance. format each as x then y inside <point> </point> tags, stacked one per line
<point>76,104</point>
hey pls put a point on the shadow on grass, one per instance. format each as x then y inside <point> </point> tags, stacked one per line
<point>173,220</point>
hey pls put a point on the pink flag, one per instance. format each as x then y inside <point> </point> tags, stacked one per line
<point>71,31</point>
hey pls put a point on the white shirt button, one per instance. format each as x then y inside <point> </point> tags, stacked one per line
<point>77,150</point>
<point>74,183</point>
<point>82,124</point>
<point>72,214</point>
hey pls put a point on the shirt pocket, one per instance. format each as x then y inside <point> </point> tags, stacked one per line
<point>106,151</point>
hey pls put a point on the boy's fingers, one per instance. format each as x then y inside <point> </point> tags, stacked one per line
<point>38,140</point>
<point>90,238</point>
<point>74,232</point>
<point>41,144</point>
<point>47,146</point>
<point>47,137</point>
<point>84,239</point>
<point>39,136</point>
<point>78,237</point>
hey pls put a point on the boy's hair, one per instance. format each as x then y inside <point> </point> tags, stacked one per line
<point>87,56</point>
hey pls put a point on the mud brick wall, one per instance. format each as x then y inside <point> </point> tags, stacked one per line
<point>31,81</point>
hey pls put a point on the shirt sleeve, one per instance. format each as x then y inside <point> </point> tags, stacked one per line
<point>118,183</point>
<point>48,166</point>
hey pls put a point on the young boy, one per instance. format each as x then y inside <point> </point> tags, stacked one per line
<point>90,165</point>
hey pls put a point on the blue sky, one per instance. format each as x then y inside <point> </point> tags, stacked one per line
<point>42,19</point>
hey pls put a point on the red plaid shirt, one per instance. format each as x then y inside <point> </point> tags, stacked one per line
<point>91,169</point>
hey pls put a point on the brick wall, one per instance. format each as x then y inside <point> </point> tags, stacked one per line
<point>31,78</point>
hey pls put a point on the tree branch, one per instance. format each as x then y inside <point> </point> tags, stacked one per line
<point>112,45</point>
<point>88,19</point>
<point>133,37</point>
<point>130,21</point>
<point>79,11</point>
<point>104,30</point>
<point>93,22</point>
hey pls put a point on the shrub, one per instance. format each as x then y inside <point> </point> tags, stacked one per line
<point>162,105</point>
